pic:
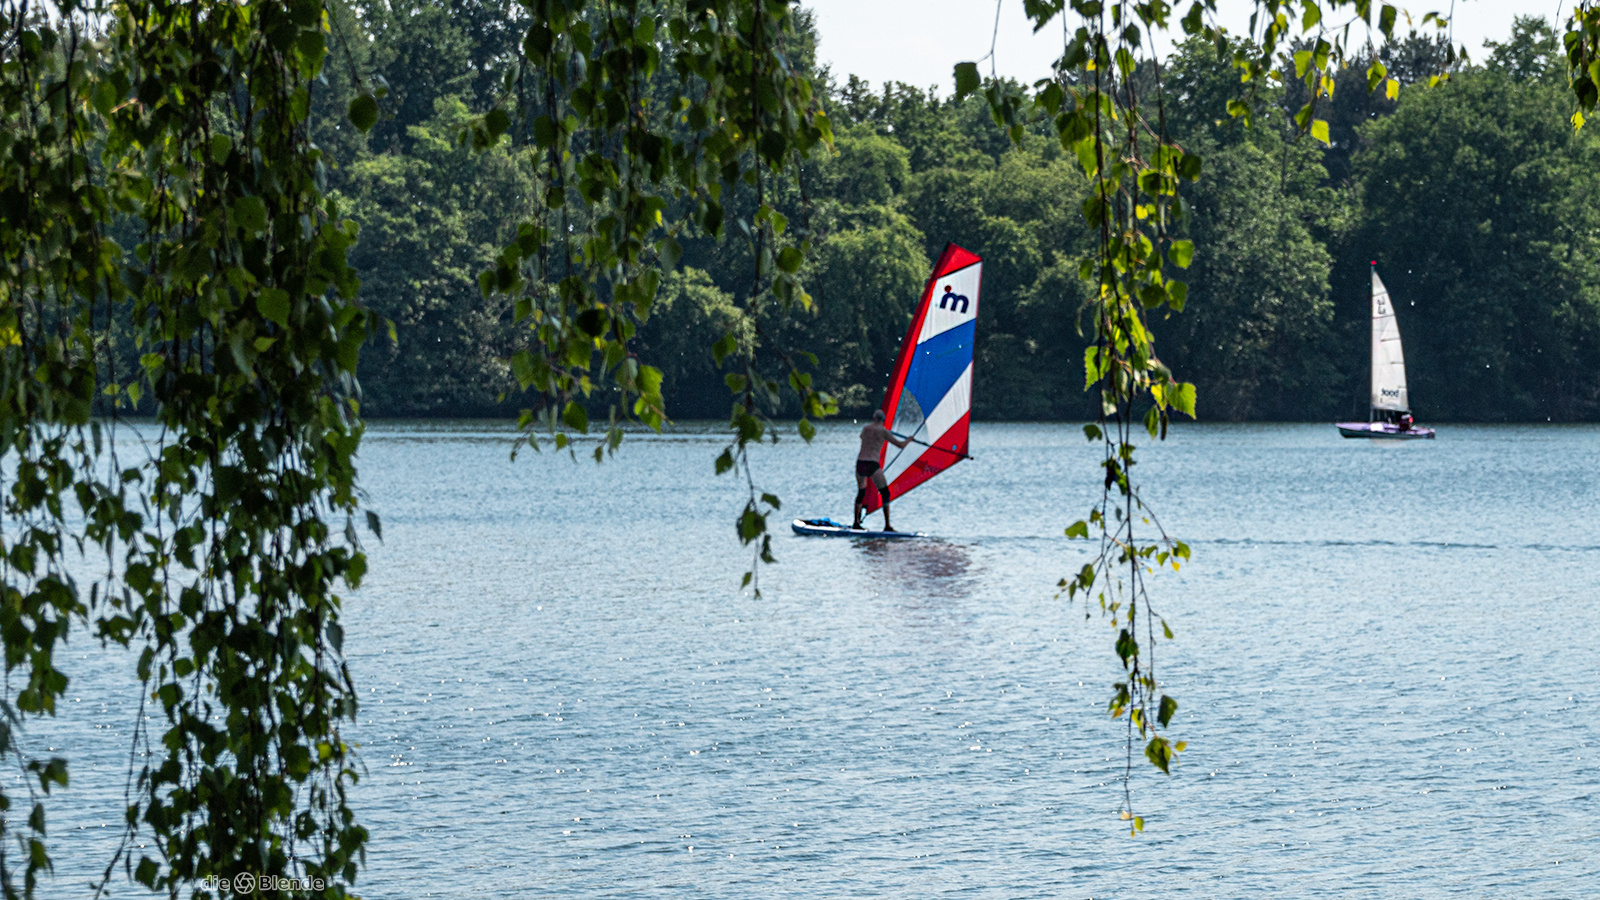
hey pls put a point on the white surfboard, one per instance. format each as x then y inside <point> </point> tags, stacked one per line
<point>830,528</point>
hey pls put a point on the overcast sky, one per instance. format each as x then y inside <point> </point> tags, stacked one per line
<point>920,41</point>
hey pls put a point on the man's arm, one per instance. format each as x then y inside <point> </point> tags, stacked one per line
<point>895,439</point>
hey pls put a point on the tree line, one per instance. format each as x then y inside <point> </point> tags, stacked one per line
<point>1474,198</point>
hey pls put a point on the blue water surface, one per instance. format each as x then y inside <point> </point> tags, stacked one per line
<point>1385,659</point>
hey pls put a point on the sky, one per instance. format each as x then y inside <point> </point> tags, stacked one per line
<point>920,41</point>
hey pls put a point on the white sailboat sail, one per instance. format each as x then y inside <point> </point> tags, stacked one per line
<point>1388,360</point>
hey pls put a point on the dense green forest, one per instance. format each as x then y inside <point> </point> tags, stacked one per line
<point>1476,198</point>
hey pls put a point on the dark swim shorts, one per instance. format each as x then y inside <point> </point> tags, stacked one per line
<point>866,468</point>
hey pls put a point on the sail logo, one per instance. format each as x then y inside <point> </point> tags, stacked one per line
<point>1390,392</point>
<point>952,298</point>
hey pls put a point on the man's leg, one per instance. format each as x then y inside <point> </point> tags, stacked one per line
<point>861,499</point>
<point>882,481</point>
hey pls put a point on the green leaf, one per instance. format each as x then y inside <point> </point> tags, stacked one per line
<point>1194,21</point>
<point>1078,529</point>
<point>1182,398</point>
<point>522,367</point>
<point>967,80</point>
<point>1159,752</point>
<point>807,430</point>
<point>250,214</point>
<point>576,417</point>
<point>497,121</point>
<point>274,304</point>
<point>1050,98</point>
<point>649,379</point>
<point>364,112</point>
<point>1181,253</point>
<point>1169,706</point>
<point>1302,63</point>
<point>375,524</point>
<point>1319,131</point>
<point>789,259</point>
<point>725,461</point>
<point>1189,166</point>
<point>670,253</point>
<point>751,525</point>
<point>1087,160</point>
<point>544,131</point>
<point>1177,295</point>
<point>1376,73</point>
<point>594,322</point>
<point>145,873</point>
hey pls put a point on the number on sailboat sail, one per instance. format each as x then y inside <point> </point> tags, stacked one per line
<point>930,390</point>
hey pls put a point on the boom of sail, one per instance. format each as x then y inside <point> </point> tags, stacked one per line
<point>930,391</point>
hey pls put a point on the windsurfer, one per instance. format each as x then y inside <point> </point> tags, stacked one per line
<point>873,437</point>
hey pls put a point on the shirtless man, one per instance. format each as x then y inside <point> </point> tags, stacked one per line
<point>873,437</point>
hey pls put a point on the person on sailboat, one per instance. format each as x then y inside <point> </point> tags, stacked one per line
<point>873,437</point>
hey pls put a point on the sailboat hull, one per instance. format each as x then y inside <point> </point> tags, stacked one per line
<point>1384,431</point>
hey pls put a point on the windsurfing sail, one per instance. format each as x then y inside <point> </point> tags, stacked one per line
<point>930,391</point>
<point>1388,361</point>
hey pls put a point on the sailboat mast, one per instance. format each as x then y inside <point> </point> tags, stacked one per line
<point>1372,357</point>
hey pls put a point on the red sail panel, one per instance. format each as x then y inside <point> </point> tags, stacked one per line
<point>951,449</point>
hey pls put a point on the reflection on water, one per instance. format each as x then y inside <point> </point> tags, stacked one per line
<point>933,567</point>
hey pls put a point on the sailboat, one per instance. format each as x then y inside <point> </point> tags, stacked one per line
<point>1390,418</point>
<point>929,400</point>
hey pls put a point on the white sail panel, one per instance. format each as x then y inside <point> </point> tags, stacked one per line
<point>1388,360</point>
<point>954,301</point>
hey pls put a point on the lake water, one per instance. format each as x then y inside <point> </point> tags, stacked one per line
<point>1386,661</point>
